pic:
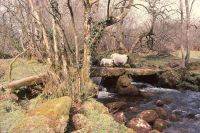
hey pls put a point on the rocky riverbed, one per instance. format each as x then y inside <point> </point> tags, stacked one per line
<point>156,109</point>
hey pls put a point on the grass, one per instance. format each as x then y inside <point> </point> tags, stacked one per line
<point>21,68</point>
<point>99,120</point>
<point>10,115</point>
<point>153,60</point>
<point>193,54</point>
<point>161,61</point>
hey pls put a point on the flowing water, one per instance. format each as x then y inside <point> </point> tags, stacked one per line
<point>184,104</point>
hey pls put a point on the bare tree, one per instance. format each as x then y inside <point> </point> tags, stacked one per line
<point>188,9</point>
<point>156,9</point>
<point>181,32</point>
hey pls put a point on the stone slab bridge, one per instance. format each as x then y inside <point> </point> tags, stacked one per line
<point>118,71</point>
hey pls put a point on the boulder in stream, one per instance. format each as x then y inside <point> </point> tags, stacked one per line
<point>155,131</point>
<point>160,124</point>
<point>174,117</point>
<point>159,103</point>
<point>119,117</point>
<point>162,113</point>
<point>148,115</point>
<point>124,86</point>
<point>116,105</point>
<point>139,125</point>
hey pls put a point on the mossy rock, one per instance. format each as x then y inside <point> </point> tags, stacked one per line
<point>198,79</point>
<point>192,80</point>
<point>98,119</point>
<point>10,115</point>
<point>170,79</point>
<point>34,124</point>
<point>195,79</point>
<point>188,86</point>
<point>49,117</point>
<point>92,104</point>
<point>54,109</point>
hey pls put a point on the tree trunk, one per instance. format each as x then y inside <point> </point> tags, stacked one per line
<point>121,33</point>
<point>181,39</point>
<point>76,46</point>
<point>44,34</point>
<point>187,57</point>
<point>75,32</point>
<point>87,52</point>
<point>55,44</point>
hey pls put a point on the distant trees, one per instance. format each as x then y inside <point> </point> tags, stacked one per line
<point>185,51</point>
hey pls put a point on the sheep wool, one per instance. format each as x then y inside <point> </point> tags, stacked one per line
<point>119,59</point>
<point>106,62</point>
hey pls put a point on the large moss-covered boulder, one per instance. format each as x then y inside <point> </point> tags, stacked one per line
<point>169,78</point>
<point>48,117</point>
<point>97,120</point>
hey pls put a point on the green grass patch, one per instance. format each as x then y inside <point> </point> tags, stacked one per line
<point>153,60</point>
<point>10,115</point>
<point>21,68</point>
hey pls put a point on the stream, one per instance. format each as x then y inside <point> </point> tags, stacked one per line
<point>184,104</point>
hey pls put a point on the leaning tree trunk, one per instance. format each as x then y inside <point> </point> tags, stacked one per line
<point>44,34</point>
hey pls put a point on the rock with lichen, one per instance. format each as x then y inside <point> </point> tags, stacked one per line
<point>148,115</point>
<point>139,125</point>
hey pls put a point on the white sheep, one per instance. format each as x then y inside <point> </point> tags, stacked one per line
<point>119,59</point>
<point>106,62</point>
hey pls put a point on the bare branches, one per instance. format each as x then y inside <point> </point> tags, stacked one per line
<point>191,6</point>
